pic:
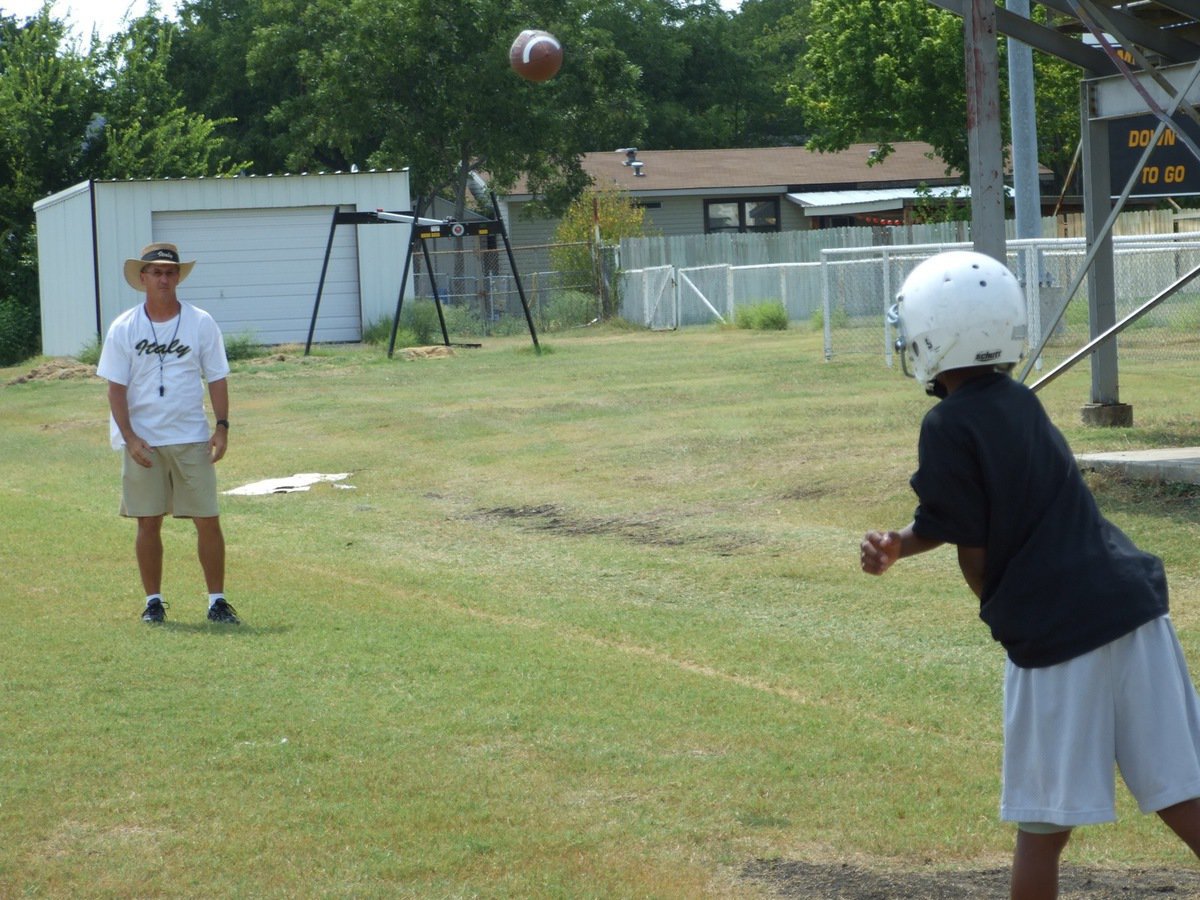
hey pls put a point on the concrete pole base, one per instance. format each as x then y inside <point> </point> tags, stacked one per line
<point>1108,415</point>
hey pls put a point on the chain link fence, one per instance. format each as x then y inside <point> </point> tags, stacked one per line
<point>564,286</point>
<point>847,294</point>
<point>1143,267</point>
<point>666,297</point>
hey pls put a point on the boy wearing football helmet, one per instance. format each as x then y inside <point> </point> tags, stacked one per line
<point>1094,675</point>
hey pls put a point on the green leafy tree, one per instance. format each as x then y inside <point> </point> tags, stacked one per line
<point>711,78</point>
<point>711,85</point>
<point>208,66</point>
<point>597,218</point>
<point>688,73</point>
<point>886,70</point>
<point>658,37</point>
<point>46,97</point>
<point>1056,100</point>
<point>66,117</point>
<point>883,70</point>
<point>775,33</point>
<point>426,84</point>
<point>146,130</point>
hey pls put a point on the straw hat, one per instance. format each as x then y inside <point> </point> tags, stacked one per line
<point>160,253</point>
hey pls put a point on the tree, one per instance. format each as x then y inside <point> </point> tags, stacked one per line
<point>710,77</point>
<point>694,75</point>
<point>774,31</point>
<point>1057,102</point>
<point>597,217</point>
<point>426,84</point>
<point>45,101</point>
<point>143,129</point>
<point>887,70</point>
<point>208,66</point>
<point>883,70</point>
<point>659,38</point>
<point>66,117</point>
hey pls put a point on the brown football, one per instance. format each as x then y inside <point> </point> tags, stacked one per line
<point>535,55</point>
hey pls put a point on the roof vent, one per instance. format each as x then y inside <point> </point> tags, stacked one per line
<point>632,161</point>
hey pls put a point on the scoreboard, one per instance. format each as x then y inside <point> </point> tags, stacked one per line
<point>1171,170</point>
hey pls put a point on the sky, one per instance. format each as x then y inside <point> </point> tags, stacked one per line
<point>107,15</point>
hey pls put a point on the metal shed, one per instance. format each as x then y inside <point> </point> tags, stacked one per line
<point>259,242</point>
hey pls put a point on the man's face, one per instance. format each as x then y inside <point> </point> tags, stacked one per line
<point>160,280</point>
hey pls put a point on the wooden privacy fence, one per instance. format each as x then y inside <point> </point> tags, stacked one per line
<point>693,250</point>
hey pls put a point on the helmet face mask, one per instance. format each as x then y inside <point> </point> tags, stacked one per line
<point>956,310</point>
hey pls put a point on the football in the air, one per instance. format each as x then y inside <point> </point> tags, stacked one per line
<point>535,55</point>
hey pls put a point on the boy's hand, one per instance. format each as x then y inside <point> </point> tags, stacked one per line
<point>878,550</point>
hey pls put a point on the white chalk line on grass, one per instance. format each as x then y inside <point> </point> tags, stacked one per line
<point>571,633</point>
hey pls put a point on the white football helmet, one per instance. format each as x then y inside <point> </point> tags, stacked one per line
<point>958,309</point>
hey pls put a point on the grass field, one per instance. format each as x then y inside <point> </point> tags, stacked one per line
<point>588,624</point>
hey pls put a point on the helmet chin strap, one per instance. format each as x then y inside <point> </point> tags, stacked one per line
<point>901,349</point>
<point>933,387</point>
<point>893,319</point>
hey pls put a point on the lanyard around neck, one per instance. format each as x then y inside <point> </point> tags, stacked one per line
<point>161,350</point>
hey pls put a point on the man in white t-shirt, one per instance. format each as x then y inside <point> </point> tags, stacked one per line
<point>156,358</point>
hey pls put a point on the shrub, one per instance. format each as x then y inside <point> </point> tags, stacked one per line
<point>242,346</point>
<point>568,309</point>
<point>421,318</point>
<point>378,332</point>
<point>462,319</point>
<point>607,215</point>
<point>769,316</point>
<point>19,331</point>
<point>404,338</point>
<point>89,354</point>
<point>507,326</point>
<point>840,319</point>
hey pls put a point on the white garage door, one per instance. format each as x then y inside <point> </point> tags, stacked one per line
<point>257,271</point>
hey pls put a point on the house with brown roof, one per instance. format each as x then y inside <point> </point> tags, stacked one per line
<point>757,189</point>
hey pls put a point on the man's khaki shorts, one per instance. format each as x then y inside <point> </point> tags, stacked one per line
<point>181,482</point>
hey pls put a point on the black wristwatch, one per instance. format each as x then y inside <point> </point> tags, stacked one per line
<point>224,422</point>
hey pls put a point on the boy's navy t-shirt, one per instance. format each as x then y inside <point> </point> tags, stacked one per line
<point>1060,579</point>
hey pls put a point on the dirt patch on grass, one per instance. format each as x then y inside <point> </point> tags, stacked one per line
<point>435,352</point>
<point>56,370</point>
<point>806,492</point>
<point>646,530</point>
<point>63,369</point>
<point>837,881</point>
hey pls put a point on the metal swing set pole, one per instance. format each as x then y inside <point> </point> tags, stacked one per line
<point>403,283</point>
<point>437,298</point>
<point>416,223</point>
<point>512,264</point>
<point>312,326</point>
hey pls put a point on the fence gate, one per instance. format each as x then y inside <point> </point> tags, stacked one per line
<point>658,298</point>
<point>703,283</point>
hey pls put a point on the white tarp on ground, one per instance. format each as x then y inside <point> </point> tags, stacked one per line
<point>301,481</point>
